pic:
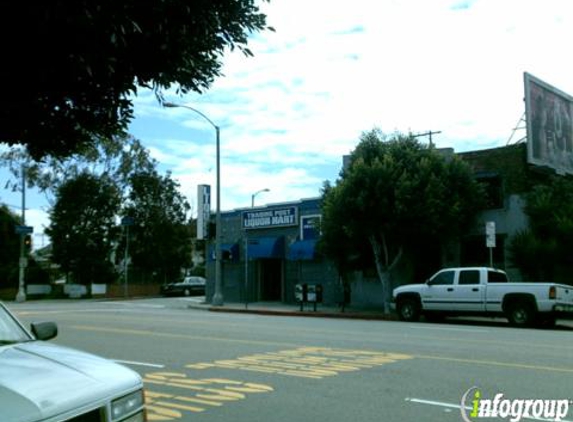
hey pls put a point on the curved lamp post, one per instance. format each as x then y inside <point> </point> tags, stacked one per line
<point>218,295</point>
<point>255,194</point>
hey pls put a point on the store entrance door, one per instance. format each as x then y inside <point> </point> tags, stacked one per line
<point>271,279</point>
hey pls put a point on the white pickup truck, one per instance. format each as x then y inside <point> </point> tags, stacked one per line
<point>483,291</point>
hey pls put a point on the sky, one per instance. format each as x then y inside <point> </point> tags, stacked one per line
<point>335,69</point>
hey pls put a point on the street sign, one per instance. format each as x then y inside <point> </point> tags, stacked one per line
<point>490,234</point>
<point>24,229</point>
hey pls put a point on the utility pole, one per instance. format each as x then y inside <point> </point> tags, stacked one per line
<point>23,262</point>
<point>126,222</point>
<point>428,134</point>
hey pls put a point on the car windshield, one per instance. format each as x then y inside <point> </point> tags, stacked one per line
<point>10,329</point>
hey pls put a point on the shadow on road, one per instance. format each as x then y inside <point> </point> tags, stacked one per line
<point>561,325</point>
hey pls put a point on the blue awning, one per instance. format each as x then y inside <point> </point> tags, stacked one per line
<point>229,251</point>
<point>302,250</point>
<point>266,247</point>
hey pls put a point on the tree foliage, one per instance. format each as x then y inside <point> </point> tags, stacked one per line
<point>9,247</point>
<point>542,252</point>
<point>115,158</point>
<point>83,228</point>
<point>71,66</point>
<point>394,194</point>
<point>160,238</point>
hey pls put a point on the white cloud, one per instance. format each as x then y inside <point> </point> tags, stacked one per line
<point>335,69</point>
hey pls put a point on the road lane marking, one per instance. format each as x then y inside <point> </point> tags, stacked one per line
<point>306,362</point>
<point>198,395</point>
<point>147,333</point>
<point>436,403</point>
<point>466,330</point>
<point>281,344</point>
<point>135,305</point>
<point>559,347</point>
<point>129,362</point>
<point>495,363</point>
<point>159,413</point>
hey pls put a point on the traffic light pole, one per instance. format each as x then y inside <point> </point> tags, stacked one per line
<point>21,295</point>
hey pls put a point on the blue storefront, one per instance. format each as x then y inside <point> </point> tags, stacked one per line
<point>267,250</point>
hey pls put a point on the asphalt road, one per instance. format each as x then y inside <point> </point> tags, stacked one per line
<point>200,365</point>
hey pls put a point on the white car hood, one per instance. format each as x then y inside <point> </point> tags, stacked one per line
<point>40,380</point>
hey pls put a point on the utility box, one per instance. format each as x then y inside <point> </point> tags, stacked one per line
<point>314,293</point>
<point>311,293</point>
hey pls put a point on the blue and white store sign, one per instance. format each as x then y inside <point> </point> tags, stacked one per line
<point>263,219</point>
<point>310,227</point>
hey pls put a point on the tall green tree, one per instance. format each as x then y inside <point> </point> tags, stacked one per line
<point>394,194</point>
<point>542,252</point>
<point>9,248</point>
<point>160,239</point>
<point>83,228</point>
<point>71,66</point>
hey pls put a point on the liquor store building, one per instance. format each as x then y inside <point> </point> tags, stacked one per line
<point>268,250</point>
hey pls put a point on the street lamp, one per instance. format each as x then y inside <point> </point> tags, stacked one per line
<point>218,296</point>
<point>255,194</point>
<point>247,249</point>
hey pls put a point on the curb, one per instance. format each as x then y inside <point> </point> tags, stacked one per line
<point>365,316</point>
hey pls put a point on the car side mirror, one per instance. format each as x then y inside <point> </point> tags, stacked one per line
<point>44,330</point>
<point>429,282</point>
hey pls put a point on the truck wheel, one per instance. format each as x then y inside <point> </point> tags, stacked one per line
<point>408,310</point>
<point>520,314</point>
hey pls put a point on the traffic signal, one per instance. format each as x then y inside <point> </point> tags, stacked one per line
<point>28,242</point>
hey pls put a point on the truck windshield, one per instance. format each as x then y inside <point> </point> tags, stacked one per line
<point>496,277</point>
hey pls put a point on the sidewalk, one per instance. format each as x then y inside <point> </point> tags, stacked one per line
<point>323,311</point>
<point>283,309</point>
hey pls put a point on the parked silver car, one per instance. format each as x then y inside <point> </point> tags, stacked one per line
<point>44,382</point>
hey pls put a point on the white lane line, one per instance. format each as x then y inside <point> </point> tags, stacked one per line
<point>458,406</point>
<point>128,362</point>
<point>436,403</point>
<point>468,330</point>
<point>135,305</point>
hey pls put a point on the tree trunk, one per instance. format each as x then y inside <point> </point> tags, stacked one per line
<point>384,267</point>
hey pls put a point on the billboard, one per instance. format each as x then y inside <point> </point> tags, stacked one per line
<point>278,217</point>
<point>203,210</point>
<point>549,116</point>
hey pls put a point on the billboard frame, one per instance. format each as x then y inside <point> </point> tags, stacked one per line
<point>549,119</point>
